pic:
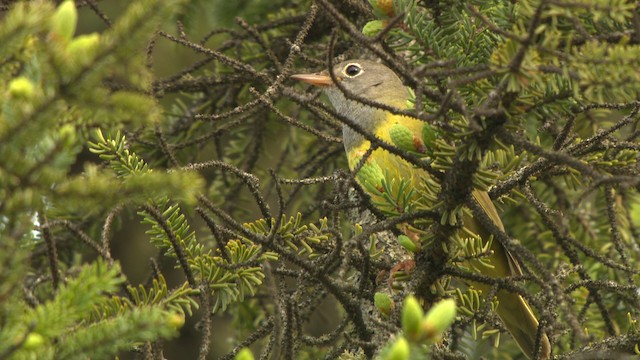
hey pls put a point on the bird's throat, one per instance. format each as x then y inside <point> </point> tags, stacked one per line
<point>361,118</point>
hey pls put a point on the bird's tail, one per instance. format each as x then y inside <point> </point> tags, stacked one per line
<point>522,324</point>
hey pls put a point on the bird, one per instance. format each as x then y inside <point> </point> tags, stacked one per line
<point>377,83</point>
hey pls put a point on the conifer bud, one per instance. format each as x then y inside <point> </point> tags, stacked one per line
<point>371,173</point>
<point>68,136</point>
<point>63,23</point>
<point>439,318</point>
<point>412,318</point>
<point>383,303</point>
<point>407,243</point>
<point>402,137</point>
<point>244,354</point>
<point>176,320</point>
<point>82,50</point>
<point>33,341</point>
<point>21,87</point>
<point>383,7</point>
<point>372,28</point>
<point>399,350</point>
<point>429,135</point>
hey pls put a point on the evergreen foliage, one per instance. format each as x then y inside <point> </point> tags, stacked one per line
<point>236,178</point>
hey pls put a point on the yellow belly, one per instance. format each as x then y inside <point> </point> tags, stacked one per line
<point>389,180</point>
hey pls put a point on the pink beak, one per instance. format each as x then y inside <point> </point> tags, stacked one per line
<point>318,79</point>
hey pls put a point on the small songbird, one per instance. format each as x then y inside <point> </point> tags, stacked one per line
<point>375,82</point>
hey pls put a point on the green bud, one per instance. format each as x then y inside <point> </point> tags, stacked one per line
<point>383,303</point>
<point>33,341</point>
<point>402,137</point>
<point>83,48</point>
<point>370,173</point>
<point>383,7</point>
<point>67,135</point>
<point>399,350</point>
<point>405,139</point>
<point>429,135</point>
<point>63,23</point>
<point>407,243</point>
<point>176,320</point>
<point>412,317</point>
<point>21,87</point>
<point>372,28</point>
<point>439,318</point>
<point>244,354</point>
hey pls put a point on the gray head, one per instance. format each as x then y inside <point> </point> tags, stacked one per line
<point>362,78</point>
<point>367,79</point>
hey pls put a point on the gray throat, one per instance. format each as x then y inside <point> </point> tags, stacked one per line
<point>364,116</point>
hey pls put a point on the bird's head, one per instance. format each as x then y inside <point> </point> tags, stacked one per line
<point>362,78</point>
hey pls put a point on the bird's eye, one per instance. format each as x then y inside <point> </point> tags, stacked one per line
<point>352,70</point>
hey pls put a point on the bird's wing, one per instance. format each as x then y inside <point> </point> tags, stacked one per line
<point>487,206</point>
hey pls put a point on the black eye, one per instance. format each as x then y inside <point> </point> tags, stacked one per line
<point>352,70</point>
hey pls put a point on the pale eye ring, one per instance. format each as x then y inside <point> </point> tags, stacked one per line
<point>352,70</point>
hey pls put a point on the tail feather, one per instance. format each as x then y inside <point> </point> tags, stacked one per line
<point>522,324</point>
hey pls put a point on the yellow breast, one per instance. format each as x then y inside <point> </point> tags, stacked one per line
<point>384,173</point>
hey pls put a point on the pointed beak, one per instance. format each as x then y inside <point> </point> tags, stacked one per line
<point>320,79</point>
